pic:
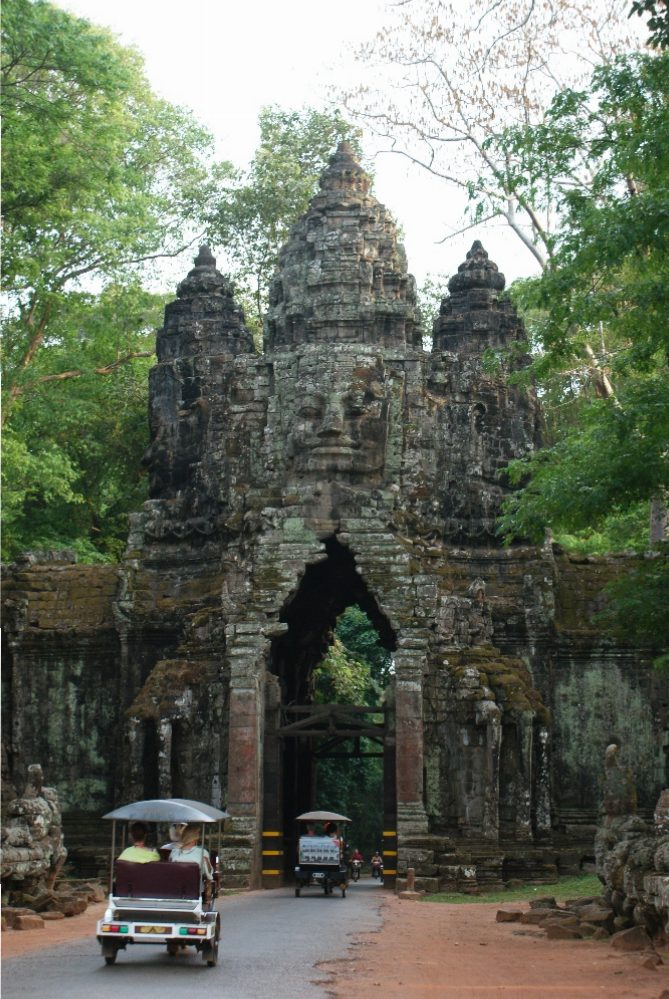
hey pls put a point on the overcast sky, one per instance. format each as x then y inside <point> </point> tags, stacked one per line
<point>226,60</point>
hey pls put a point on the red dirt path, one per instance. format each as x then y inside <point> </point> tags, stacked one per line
<point>456,951</point>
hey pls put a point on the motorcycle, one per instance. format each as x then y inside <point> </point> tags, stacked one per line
<point>377,870</point>
<point>356,867</point>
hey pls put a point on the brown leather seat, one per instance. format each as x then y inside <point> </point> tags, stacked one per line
<point>157,879</point>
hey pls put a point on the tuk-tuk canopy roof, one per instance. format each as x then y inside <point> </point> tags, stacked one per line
<point>321,817</point>
<point>168,810</point>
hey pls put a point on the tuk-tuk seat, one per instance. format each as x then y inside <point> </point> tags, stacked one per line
<point>157,879</point>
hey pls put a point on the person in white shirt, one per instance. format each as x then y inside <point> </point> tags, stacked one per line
<point>190,851</point>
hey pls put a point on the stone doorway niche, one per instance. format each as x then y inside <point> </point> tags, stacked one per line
<point>289,767</point>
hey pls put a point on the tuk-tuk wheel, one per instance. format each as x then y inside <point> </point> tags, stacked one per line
<point>343,891</point>
<point>297,893</point>
<point>210,953</point>
<point>109,951</point>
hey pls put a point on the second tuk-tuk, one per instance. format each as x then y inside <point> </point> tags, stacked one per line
<point>320,853</point>
<point>162,902</point>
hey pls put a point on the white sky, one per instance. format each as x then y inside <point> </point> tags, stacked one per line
<point>225,59</point>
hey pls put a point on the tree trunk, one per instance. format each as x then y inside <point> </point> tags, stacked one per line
<point>659,520</point>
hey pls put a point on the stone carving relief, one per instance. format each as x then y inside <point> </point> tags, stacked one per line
<point>339,421</point>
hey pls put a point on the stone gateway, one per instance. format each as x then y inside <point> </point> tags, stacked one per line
<point>345,464</point>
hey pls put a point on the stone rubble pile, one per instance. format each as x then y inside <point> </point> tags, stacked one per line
<point>592,917</point>
<point>64,900</point>
<point>632,855</point>
<point>632,860</point>
<point>32,849</point>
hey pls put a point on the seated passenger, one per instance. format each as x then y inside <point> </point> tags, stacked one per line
<point>175,831</point>
<point>189,850</point>
<point>332,831</point>
<point>139,852</point>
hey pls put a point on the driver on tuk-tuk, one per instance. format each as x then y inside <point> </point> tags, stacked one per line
<point>139,852</point>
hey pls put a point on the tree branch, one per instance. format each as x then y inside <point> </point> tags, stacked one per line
<point>107,369</point>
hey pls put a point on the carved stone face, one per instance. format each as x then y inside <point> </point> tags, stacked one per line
<point>339,424</point>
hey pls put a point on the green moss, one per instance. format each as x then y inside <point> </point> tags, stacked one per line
<point>565,888</point>
<point>167,681</point>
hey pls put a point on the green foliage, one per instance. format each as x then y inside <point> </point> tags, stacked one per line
<point>580,886</point>
<point>254,219</point>
<point>360,638</point>
<point>608,285</point>
<point>100,177</point>
<point>613,459</point>
<point>99,172</point>
<point>639,601</point>
<point>354,671</point>
<point>340,678</point>
<point>658,22</point>
<point>600,321</point>
<point>71,468</point>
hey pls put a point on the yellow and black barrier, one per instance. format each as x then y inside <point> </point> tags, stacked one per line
<point>272,858</point>
<point>389,857</point>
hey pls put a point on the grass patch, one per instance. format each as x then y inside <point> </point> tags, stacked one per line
<point>564,888</point>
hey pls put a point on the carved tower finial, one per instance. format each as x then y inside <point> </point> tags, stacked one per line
<point>344,171</point>
<point>342,275</point>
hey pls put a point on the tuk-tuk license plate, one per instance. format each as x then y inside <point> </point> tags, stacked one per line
<point>319,875</point>
<point>153,929</point>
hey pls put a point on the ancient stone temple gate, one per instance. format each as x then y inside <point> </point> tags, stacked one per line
<point>348,465</point>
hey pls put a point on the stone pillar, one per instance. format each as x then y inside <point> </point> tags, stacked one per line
<point>542,787</point>
<point>525,777</point>
<point>241,853</point>
<point>273,818</point>
<point>165,758</point>
<point>411,815</point>
<point>489,712</point>
<point>133,783</point>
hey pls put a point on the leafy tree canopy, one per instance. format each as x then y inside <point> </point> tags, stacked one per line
<point>71,451</point>
<point>599,315</point>
<point>100,177</point>
<point>658,21</point>
<point>99,174</point>
<point>605,153</point>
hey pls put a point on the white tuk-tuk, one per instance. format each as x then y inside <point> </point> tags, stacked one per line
<point>320,852</point>
<point>162,902</point>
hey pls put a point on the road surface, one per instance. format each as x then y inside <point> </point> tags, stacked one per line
<point>270,945</point>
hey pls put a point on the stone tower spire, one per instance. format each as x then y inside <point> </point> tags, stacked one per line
<point>475,316</point>
<point>203,333</point>
<point>204,319</point>
<point>342,275</point>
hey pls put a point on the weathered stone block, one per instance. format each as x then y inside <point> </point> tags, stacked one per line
<point>634,938</point>
<point>25,922</point>
<point>558,931</point>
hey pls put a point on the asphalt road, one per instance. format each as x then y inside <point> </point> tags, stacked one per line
<point>270,945</point>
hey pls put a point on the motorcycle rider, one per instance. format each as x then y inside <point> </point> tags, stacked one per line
<point>377,866</point>
<point>355,861</point>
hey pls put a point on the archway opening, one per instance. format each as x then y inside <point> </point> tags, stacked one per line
<point>329,733</point>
